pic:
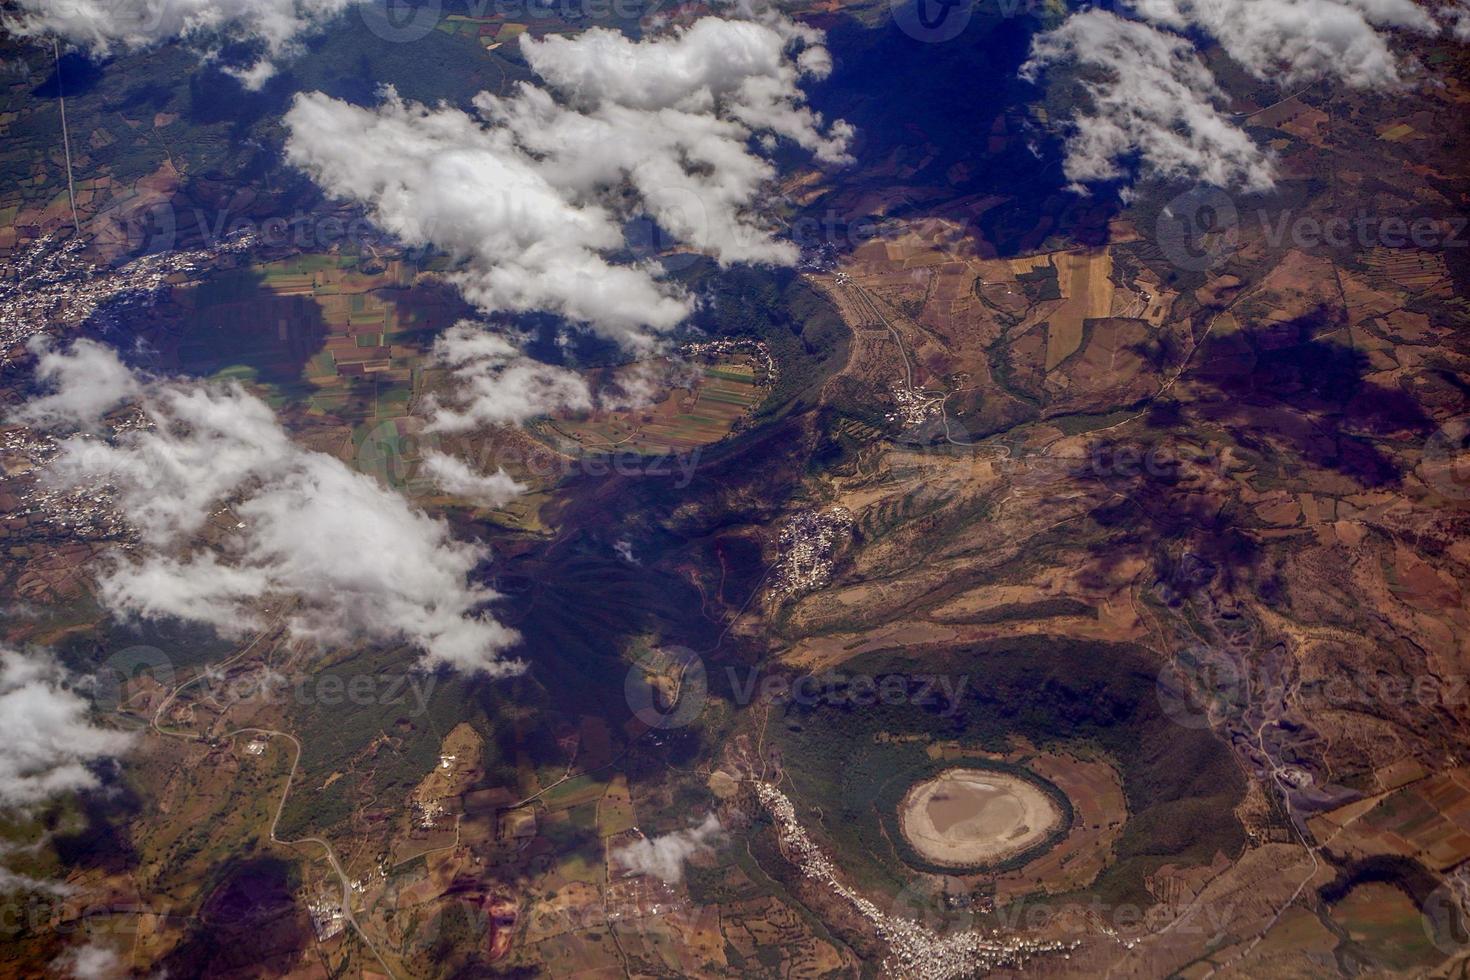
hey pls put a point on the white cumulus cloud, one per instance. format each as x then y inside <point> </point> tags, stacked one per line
<point>1291,42</point>
<point>47,740</point>
<point>664,856</point>
<point>1152,97</point>
<point>355,560</point>
<point>88,382</point>
<point>1149,97</point>
<point>483,489</point>
<point>90,962</point>
<point>495,384</point>
<point>531,192</point>
<point>103,26</point>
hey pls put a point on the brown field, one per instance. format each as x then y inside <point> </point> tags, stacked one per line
<point>1088,294</point>
<point>615,813</point>
<point>1385,919</point>
<point>459,760</point>
<point>327,323</point>
<point>1428,820</point>
<point>681,421</point>
<point>1099,810</point>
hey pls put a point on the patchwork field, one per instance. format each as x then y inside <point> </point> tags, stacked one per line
<point>1428,820</point>
<point>1087,294</point>
<point>704,411</point>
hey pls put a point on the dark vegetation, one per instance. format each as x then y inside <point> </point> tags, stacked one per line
<point>1181,785</point>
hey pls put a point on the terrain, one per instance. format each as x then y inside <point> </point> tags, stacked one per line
<point>1143,551</point>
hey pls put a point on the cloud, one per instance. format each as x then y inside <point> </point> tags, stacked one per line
<point>1157,100</point>
<point>1457,20</point>
<point>90,962</point>
<point>438,176</point>
<point>454,477</point>
<point>1149,97</point>
<point>11,882</point>
<point>664,856</point>
<point>640,384</point>
<point>1291,42</point>
<point>303,524</point>
<point>47,742</point>
<point>89,382</point>
<point>737,68</point>
<point>530,194</point>
<point>104,26</point>
<point>495,384</point>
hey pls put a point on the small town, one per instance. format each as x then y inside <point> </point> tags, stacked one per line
<point>916,952</point>
<point>808,543</point>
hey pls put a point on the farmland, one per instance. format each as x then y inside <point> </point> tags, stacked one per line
<point>702,408</point>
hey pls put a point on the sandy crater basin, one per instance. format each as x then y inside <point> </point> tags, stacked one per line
<point>965,817</point>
